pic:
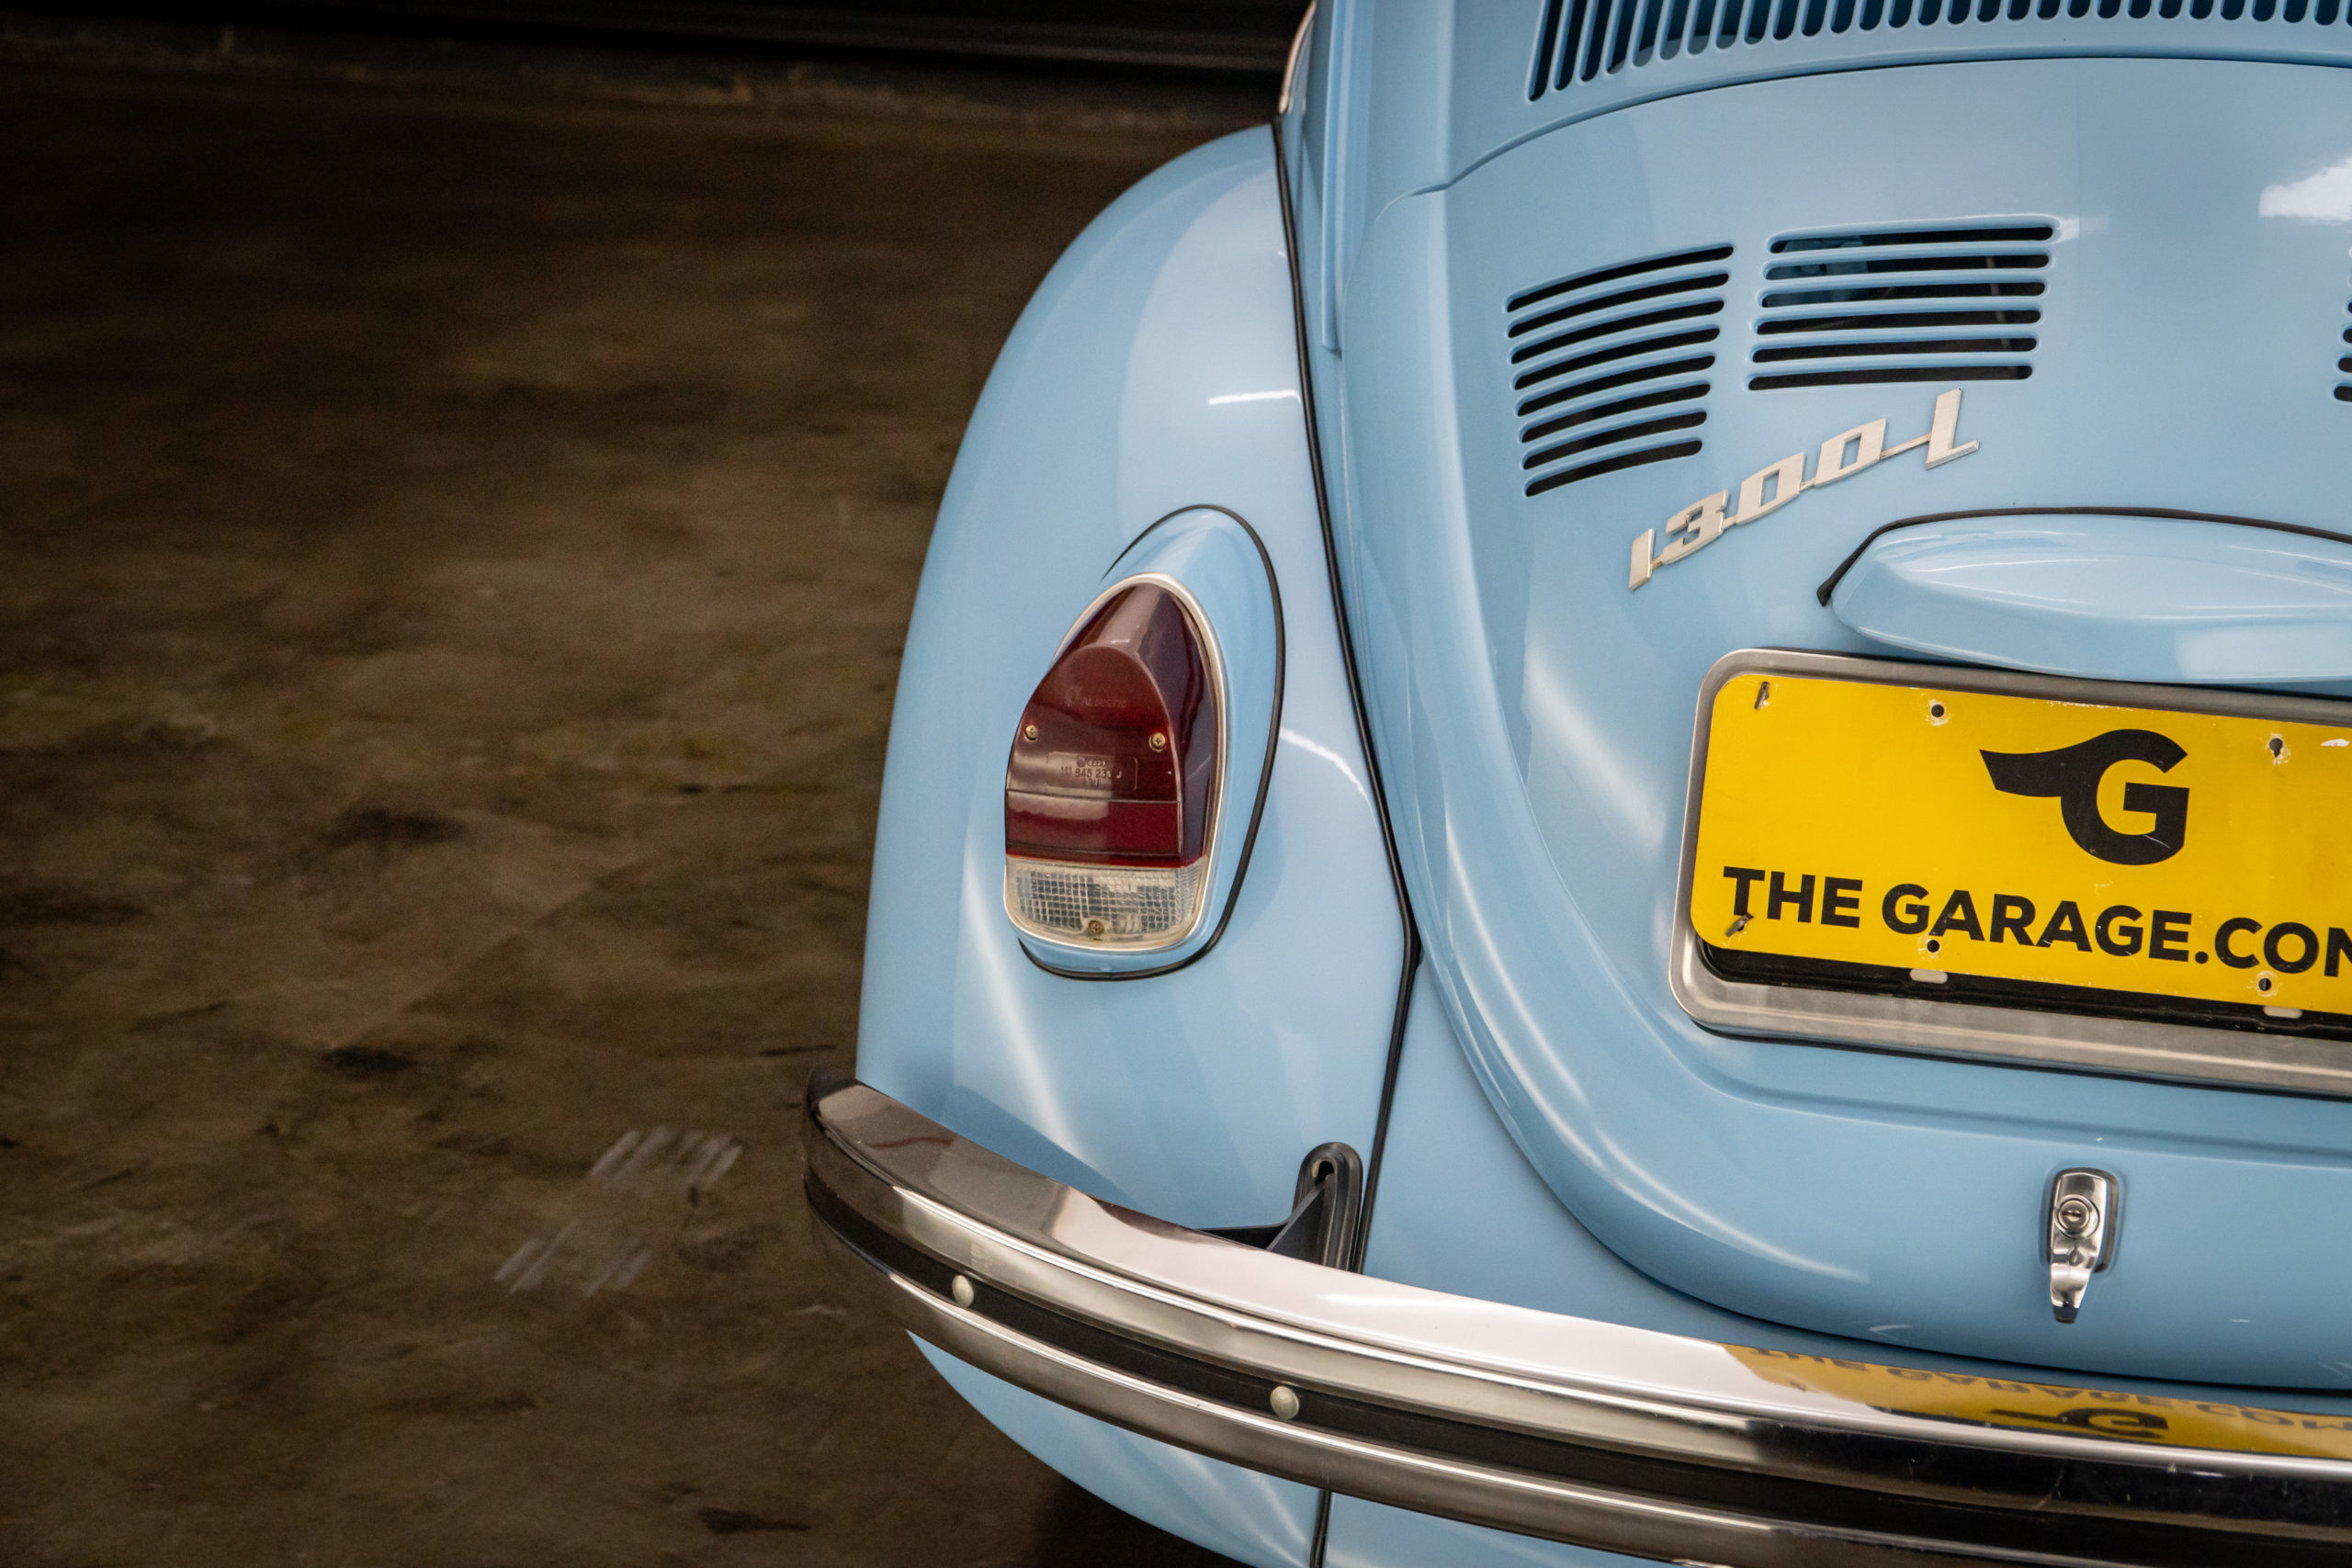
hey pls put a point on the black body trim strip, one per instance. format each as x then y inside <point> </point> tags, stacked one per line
<point>1411,961</point>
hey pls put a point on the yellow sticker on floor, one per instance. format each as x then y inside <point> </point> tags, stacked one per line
<point>2153,1420</point>
<point>2020,838</point>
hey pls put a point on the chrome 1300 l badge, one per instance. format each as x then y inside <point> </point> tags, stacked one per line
<point>1770,488</point>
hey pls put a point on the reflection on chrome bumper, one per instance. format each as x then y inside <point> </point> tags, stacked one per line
<point>1582,1431</point>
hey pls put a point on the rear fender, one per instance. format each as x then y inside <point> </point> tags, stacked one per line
<point>1154,378</point>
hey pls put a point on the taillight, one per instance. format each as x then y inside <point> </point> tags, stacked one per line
<point>1110,798</point>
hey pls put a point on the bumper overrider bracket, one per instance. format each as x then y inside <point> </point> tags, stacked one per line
<point>1579,1430</point>
<point>1326,1209</point>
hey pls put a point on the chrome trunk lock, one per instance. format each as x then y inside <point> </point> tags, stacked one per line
<point>2082,1223</point>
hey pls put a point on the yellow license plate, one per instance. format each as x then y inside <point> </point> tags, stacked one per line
<point>1928,833</point>
<point>2148,1420</point>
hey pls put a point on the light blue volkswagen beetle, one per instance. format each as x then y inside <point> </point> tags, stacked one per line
<point>1620,825</point>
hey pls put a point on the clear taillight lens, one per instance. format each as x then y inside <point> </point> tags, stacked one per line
<point>1110,798</point>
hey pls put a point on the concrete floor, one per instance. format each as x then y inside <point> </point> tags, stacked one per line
<point>459,534</point>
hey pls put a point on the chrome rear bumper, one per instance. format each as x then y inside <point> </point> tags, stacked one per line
<point>1617,1437</point>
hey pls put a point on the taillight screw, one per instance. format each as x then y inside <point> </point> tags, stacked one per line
<point>1028,732</point>
<point>1159,741</point>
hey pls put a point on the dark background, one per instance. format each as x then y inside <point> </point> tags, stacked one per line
<point>463,495</point>
<point>1238,38</point>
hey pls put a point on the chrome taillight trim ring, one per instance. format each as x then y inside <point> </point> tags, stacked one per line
<point>1071,963</point>
<point>1213,658</point>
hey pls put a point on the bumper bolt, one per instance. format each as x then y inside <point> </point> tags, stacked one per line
<point>961,1288</point>
<point>1284,1401</point>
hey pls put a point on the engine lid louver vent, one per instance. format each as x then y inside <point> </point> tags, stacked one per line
<point>1957,304</point>
<point>1609,367</point>
<point>1588,46</point>
<point>2344,367</point>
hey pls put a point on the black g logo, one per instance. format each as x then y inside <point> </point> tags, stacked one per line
<point>2073,772</point>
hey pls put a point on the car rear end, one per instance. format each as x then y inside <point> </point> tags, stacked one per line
<point>1836,521</point>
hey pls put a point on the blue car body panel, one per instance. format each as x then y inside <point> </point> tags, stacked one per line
<point>1516,1242</point>
<point>1372,1535</point>
<point>1534,712</point>
<point>1155,374</point>
<point>1156,371</point>
<point>2169,599</point>
<point>1395,98</point>
<point>1249,1517</point>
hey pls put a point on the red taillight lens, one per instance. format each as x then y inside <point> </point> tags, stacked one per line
<point>1110,798</point>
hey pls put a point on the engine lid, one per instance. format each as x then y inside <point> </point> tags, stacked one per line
<point>1617,403</point>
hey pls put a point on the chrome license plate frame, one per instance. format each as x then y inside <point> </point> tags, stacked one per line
<point>2100,1033</point>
